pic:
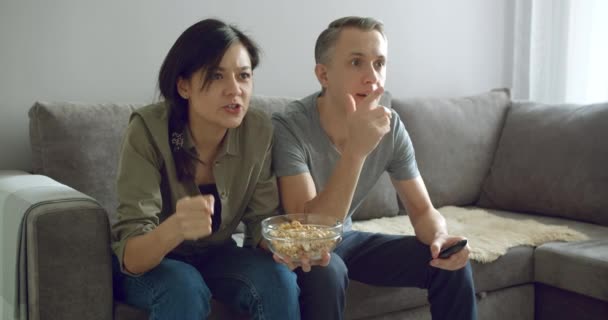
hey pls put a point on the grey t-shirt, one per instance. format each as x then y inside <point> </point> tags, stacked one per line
<point>301,145</point>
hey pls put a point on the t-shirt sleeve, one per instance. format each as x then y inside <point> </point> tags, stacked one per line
<point>403,164</point>
<point>288,156</point>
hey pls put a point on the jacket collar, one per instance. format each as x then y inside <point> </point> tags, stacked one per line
<point>230,144</point>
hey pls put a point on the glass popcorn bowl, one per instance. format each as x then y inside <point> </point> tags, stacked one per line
<point>294,236</point>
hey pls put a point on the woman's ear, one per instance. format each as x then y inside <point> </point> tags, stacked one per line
<point>321,73</point>
<point>183,88</point>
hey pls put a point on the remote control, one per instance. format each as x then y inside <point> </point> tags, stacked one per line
<point>447,252</point>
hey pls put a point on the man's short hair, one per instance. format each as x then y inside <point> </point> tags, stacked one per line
<point>328,38</point>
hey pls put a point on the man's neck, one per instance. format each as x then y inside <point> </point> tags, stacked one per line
<point>333,120</point>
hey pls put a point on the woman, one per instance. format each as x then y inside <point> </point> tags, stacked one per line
<point>191,168</point>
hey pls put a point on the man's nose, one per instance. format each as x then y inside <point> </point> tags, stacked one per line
<point>371,75</point>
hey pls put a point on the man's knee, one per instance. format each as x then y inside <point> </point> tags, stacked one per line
<point>466,275</point>
<point>336,270</point>
<point>330,279</point>
<point>461,278</point>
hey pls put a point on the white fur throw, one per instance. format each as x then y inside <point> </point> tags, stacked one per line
<point>489,235</point>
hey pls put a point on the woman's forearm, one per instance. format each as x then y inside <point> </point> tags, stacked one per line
<point>144,252</point>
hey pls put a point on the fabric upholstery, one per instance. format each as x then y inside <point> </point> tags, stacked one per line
<point>455,140</point>
<point>78,145</point>
<point>269,104</point>
<point>556,304</point>
<point>552,159</point>
<point>365,301</point>
<point>219,311</point>
<point>514,268</point>
<point>580,267</point>
<point>506,304</point>
<point>380,202</point>
<point>62,258</point>
<point>64,282</point>
<point>510,303</point>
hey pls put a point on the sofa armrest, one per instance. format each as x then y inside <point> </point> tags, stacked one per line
<point>57,242</point>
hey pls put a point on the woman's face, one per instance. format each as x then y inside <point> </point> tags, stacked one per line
<point>225,101</point>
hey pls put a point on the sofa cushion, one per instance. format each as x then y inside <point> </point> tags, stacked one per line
<point>367,301</point>
<point>455,140</point>
<point>581,267</point>
<point>514,268</point>
<point>219,311</point>
<point>551,303</point>
<point>381,201</point>
<point>269,104</point>
<point>78,145</point>
<point>552,160</point>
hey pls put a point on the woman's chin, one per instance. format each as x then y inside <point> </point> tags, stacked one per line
<point>232,123</point>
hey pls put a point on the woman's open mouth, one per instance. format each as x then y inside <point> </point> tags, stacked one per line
<point>233,108</point>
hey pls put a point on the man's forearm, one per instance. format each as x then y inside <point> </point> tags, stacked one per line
<point>336,197</point>
<point>429,225</point>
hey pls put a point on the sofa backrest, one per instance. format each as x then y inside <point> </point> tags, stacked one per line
<point>78,145</point>
<point>454,140</point>
<point>553,160</point>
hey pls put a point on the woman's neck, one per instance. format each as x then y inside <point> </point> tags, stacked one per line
<point>207,139</point>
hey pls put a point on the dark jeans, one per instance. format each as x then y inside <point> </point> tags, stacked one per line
<point>385,260</point>
<point>246,279</point>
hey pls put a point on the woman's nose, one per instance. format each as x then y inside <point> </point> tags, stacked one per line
<point>233,87</point>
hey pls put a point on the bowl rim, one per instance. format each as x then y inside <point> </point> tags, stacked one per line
<point>338,227</point>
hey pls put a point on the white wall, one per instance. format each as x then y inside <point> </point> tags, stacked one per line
<point>110,51</point>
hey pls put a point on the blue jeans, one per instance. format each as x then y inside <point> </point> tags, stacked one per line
<point>245,279</point>
<point>385,260</point>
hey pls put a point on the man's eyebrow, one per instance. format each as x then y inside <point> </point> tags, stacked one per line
<point>359,54</point>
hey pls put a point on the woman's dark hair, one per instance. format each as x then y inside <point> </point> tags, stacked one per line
<point>201,46</point>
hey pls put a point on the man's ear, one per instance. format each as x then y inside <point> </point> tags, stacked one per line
<point>321,73</point>
<point>183,87</point>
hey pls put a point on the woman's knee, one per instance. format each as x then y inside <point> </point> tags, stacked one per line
<point>180,286</point>
<point>277,277</point>
<point>277,293</point>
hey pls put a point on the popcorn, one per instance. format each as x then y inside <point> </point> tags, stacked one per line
<point>294,240</point>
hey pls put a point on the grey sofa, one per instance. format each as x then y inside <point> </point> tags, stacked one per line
<point>521,160</point>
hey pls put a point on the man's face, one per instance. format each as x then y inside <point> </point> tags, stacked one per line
<point>356,65</point>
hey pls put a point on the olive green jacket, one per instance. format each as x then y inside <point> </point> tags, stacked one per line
<point>148,188</point>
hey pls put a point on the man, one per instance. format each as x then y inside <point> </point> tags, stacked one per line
<point>330,149</point>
